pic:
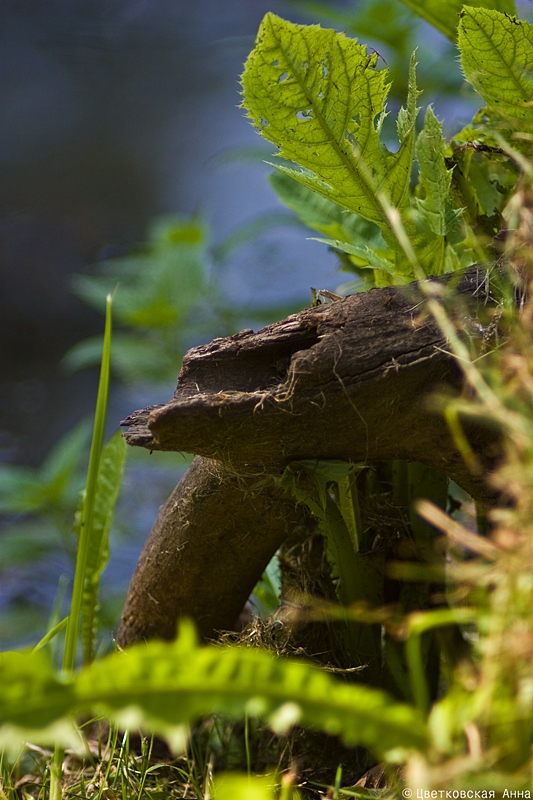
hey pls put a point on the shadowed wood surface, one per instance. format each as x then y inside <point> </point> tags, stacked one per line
<point>209,546</point>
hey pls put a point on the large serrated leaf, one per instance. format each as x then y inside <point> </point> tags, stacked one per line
<point>164,685</point>
<point>317,95</point>
<point>497,58</point>
<point>444,14</point>
<point>173,687</point>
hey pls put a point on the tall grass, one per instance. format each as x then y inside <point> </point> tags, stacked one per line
<point>92,526</point>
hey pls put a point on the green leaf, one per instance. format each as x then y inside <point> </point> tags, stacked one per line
<point>367,257</point>
<point>31,694</point>
<point>315,484</point>
<point>435,178</point>
<point>316,94</point>
<point>316,211</point>
<point>234,786</point>
<point>175,683</point>
<point>444,14</point>
<point>89,504</point>
<point>110,470</point>
<point>14,739</point>
<point>162,686</point>
<point>308,482</point>
<point>496,56</point>
<point>430,249</point>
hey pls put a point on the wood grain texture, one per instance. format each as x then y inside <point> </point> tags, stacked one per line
<point>354,380</point>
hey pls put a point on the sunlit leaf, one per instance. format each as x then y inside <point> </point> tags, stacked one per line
<point>496,56</point>
<point>434,178</point>
<point>232,786</point>
<point>163,686</point>
<point>317,95</point>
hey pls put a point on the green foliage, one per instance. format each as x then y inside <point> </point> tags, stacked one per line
<point>434,179</point>
<point>444,14</point>
<point>299,92</point>
<point>231,786</point>
<point>95,514</point>
<point>108,482</point>
<point>320,98</point>
<point>165,686</point>
<point>310,483</point>
<point>50,488</point>
<point>328,490</point>
<point>33,687</point>
<point>394,31</point>
<point>496,52</point>
<point>162,293</point>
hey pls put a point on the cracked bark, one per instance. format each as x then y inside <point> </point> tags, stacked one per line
<point>353,380</point>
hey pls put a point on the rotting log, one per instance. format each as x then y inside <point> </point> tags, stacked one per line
<point>208,548</point>
<point>354,380</point>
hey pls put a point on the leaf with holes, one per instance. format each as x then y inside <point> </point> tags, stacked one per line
<point>318,96</point>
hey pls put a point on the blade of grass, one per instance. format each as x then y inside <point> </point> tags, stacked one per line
<point>52,633</point>
<point>73,619</point>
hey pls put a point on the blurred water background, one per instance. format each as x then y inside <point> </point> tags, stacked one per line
<point>116,112</point>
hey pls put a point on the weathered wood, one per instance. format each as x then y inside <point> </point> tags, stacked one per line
<point>351,380</point>
<point>209,546</point>
<point>354,380</point>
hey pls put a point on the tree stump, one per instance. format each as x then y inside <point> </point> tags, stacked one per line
<point>354,380</point>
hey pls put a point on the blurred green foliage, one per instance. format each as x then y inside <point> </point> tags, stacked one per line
<point>168,296</point>
<point>161,301</point>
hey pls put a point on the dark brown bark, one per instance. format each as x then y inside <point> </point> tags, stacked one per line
<point>354,380</point>
<point>208,548</point>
